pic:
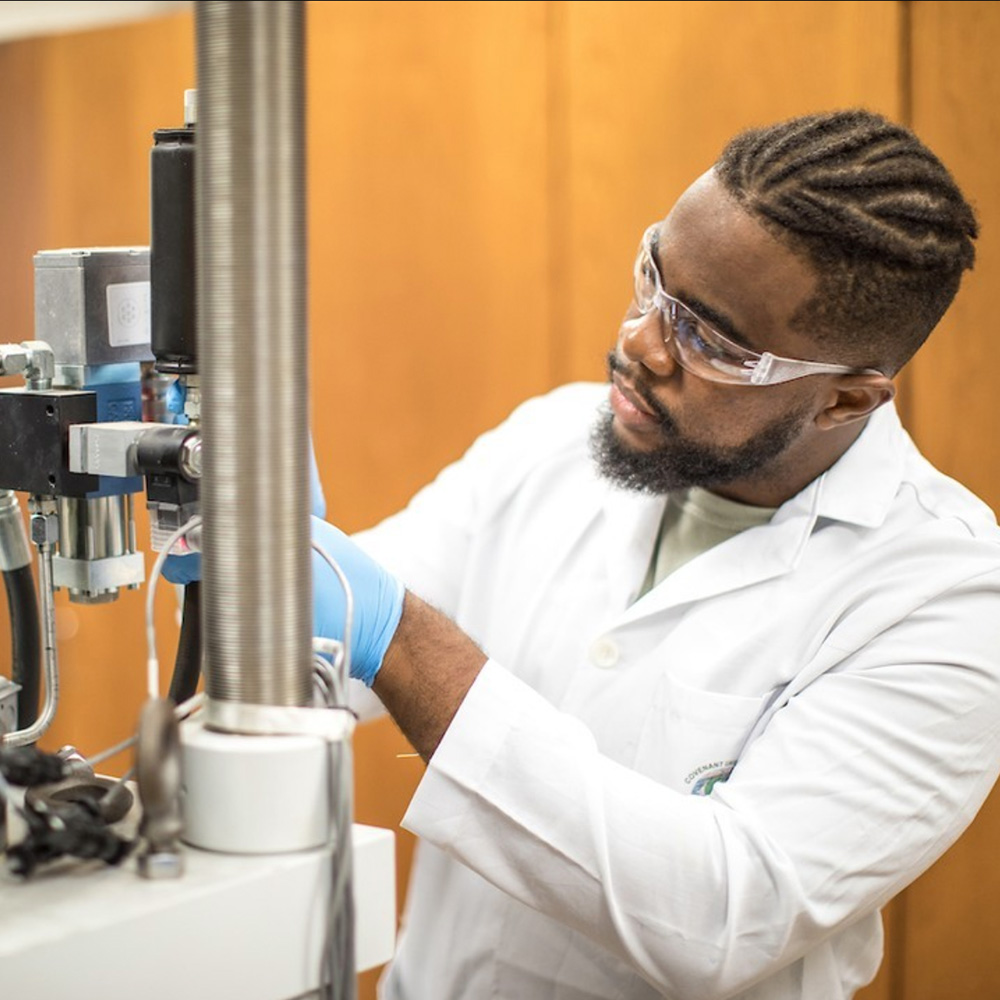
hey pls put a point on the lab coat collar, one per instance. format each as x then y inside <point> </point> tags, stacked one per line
<point>857,489</point>
<point>860,487</point>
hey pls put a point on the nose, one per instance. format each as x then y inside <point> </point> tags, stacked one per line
<point>643,340</point>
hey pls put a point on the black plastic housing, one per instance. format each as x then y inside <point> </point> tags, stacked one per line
<point>172,251</point>
<point>34,440</point>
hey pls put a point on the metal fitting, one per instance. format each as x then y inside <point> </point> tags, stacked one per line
<point>161,864</point>
<point>32,358</point>
<point>41,365</point>
<point>190,108</point>
<point>8,716</point>
<point>14,359</point>
<point>44,526</point>
<point>189,461</point>
<point>14,551</point>
<point>77,766</point>
<point>44,513</point>
<point>192,399</point>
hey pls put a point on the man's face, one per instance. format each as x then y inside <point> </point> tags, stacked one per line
<point>666,428</point>
<point>679,461</point>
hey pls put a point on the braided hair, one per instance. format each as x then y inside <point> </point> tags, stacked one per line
<point>877,214</point>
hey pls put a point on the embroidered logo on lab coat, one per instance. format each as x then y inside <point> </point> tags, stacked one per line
<point>704,778</point>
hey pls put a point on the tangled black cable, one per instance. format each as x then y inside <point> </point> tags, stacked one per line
<point>69,826</point>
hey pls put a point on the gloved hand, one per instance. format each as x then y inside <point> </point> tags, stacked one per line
<point>378,600</point>
<point>187,568</point>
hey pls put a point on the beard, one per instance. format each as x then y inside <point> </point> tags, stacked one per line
<point>678,462</point>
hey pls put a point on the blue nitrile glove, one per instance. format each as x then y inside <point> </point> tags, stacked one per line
<point>378,600</point>
<point>175,398</point>
<point>187,569</point>
<point>183,569</point>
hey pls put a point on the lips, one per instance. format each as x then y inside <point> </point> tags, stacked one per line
<point>631,413</point>
<point>631,395</point>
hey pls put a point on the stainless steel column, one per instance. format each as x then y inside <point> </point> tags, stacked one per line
<point>252,347</point>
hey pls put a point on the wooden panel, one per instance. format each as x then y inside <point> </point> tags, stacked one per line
<point>428,242</point>
<point>650,92</point>
<point>953,920</point>
<point>428,301</point>
<point>104,93</point>
<point>21,194</point>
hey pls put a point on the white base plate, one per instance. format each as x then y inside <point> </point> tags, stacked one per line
<point>241,927</point>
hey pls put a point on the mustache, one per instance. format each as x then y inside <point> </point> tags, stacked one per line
<point>618,367</point>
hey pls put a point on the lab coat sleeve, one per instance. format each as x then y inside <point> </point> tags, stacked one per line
<point>854,788</point>
<point>426,545</point>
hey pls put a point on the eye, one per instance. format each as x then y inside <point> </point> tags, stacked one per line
<point>688,329</point>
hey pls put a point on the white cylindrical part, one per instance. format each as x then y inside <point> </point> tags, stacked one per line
<point>254,794</point>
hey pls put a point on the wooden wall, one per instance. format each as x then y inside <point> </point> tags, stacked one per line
<point>950,919</point>
<point>479,177</point>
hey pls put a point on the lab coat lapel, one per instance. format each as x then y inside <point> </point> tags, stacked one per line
<point>761,553</point>
<point>753,556</point>
<point>631,524</point>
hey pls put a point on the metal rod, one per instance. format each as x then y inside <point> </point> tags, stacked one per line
<point>44,536</point>
<point>252,350</point>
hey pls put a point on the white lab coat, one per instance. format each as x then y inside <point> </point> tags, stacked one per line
<point>839,665</point>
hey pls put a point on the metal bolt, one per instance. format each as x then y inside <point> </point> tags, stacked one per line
<point>14,359</point>
<point>44,529</point>
<point>189,461</point>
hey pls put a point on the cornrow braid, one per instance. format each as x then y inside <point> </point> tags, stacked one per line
<point>878,215</point>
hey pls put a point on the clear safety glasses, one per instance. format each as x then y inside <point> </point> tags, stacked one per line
<point>700,349</point>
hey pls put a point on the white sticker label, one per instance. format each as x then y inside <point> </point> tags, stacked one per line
<point>128,314</point>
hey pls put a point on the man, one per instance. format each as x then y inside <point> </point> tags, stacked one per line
<point>715,671</point>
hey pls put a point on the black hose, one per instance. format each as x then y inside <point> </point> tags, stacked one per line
<point>26,646</point>
<point>187,666</point>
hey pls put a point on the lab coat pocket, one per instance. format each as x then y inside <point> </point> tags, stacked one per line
<point>692,738</point>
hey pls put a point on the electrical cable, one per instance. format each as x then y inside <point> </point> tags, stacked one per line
<point>63,815</point>
<point>25,622</point>
<point>187,665</point>
<point>152,663</point>
<point>183,711</point>
<point>100,758</point>
<point>348,602</point>
<point>337,975</point>
<point>339,979</point>
<point>329,675</point>
<point>27,735</point>
<point>25,640</point>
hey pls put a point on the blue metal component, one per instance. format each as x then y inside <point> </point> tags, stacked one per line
<point>119,397</point>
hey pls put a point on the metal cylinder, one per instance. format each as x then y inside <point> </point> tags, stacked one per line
<point>91,530</point>
<point>252,351</point>
<point>14,551</point>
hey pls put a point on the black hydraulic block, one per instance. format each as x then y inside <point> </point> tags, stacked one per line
<point>34,440</point>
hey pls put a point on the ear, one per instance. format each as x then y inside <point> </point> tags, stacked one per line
<point>855,397</point>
